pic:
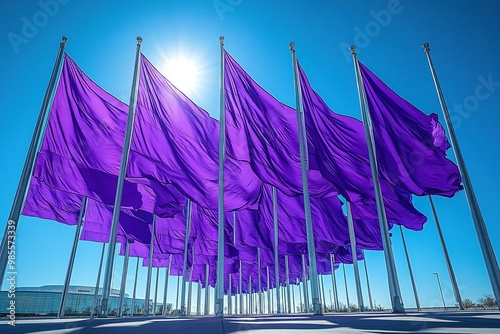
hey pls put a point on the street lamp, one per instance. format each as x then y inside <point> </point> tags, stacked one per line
<point>440,290</point>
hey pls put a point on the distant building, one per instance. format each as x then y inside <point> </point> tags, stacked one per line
<point>45,300</point>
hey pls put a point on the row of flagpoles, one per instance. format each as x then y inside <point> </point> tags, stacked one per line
<point>394,289</point>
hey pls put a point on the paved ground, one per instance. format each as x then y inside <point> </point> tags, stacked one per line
<point>415,322</point>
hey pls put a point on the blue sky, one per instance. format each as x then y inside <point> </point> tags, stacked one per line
<point>464,38</point>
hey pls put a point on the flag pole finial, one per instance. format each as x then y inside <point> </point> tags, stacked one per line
<point>353,49</point>
<point>292,47</point>
<point>426,47</point>
<point>221,39</point>
<point>139,40</point>
<point>64,40</point>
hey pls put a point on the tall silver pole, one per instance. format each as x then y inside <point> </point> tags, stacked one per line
<point>219,309</point>
<point>451,272</point>
<point>184,265</point>
<point>300,300</point>
<point>198,300</point>
<point>259,278</point>
<point>287,282</point>
<point>276,249</point>
<point>124,278</point>
<point>135,287</point>
<point>414,286</point>
<point>119,188</point>
<point>392,275</point>
<point>346,289</point>
<point>293,299</point>
<point>440,290</point>
<point>477,217</point>
<point>304,282</point>
<point>313,272</point>
<point>177,294</point>
<point>323,292</point>
<point>229,296</point>
<point>269,304</point>
<point>72,256</point>
<point>165,290</point>
<point>241,288</point>
<point>96,291</point>
<point>368,282</point>
<point>331,300</point>
<point>150,267</point>
<point>155,303</point>
<point>334,283</point>
<point>22,187</point>
<point>190,290</point>
<point>207,291</point>
<point>352,237</point>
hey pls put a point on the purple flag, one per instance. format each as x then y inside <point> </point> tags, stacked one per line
<point>411,146</point>
<point>263,132</point>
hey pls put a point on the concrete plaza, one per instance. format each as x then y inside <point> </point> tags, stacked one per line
<point>379,322</point>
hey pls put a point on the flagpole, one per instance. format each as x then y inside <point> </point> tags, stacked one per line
<point>124,278</point>
<point>334,283</point>
<point>184,265</point>
<point>119,188</point>
<point>313,273</point>
<point>287,282</point>
<point>304,282</point>
<point>150,266</point>
<point>396,300</point>
<point>346,289</point>
<point>241,288</point>
<point>414,286</point>
<point>167,274</point>
<point>477,217</point>
<point>259,278</point>
<point>250,295</point>
<point>177,294</point>
<point>367,281</point>
<point>135,288</point>
<point>293,300</point>
<point>156,291</point>
<point>229,301</point>
<point>222,155</point>
<point>22,187</point>
<point>451,272</point>
<point>207,272</point>
<point>323,292</point>
<point>190,290</point>
<point>276,249</point>
<point>198,300</point>
<point>67,280</point>
<point>269,305</point>
<point>352,237</point>
<point>96,291</point>
<point>300,297</point>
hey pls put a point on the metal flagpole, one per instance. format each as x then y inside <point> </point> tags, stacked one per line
<point>287,282</point>
<point>451,272</point>
<point>334,283</point>
<point>276,250</point>
<point>165,290</point>
<point>156,291</point>
<point>177,294</point>
<point>219,309</point>
<point>396,300</point>
<point>367,281</point>
<point>241,288</point>
<point>150,267</point>
<point>96,291</point>
<point>190,290</point>
<point>323,292</point>
<point>135,288</point>
<point>304,282</point>
<point>198,301</point>
<point>184,265</point>
<point>346,289</point>
<point>229,296</point>
<point>331,300</point>
<point>119,188</point>
<point>352,237</point>
<point>313,273</point>
<point>124,278</point>
<point>207,291</point>
<point>22,187</point>
<point>259,278</point>
<point>293,299</point>
<point>72,256</point>
<point>250,300</point>
<point>414,286</point>
<point>477,217</point>
<point>300,298</point>
<point>269,305</point>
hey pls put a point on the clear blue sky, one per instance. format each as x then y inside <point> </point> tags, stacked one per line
<point>464,38</point>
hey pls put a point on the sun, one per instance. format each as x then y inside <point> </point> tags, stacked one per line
<point>185,71</point>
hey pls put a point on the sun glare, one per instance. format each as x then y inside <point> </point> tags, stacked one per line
<point>185,72</point>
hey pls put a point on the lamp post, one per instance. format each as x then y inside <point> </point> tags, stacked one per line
<point>440,290</point>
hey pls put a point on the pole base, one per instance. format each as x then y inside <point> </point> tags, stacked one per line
<point>397,305</point>
<point>317,309</point>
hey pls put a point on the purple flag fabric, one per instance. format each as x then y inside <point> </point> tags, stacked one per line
<point>176,142</point>
<point>411,146</point>
<point>263,132</point>
<point>339,144</point>
<point>82,147</point>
